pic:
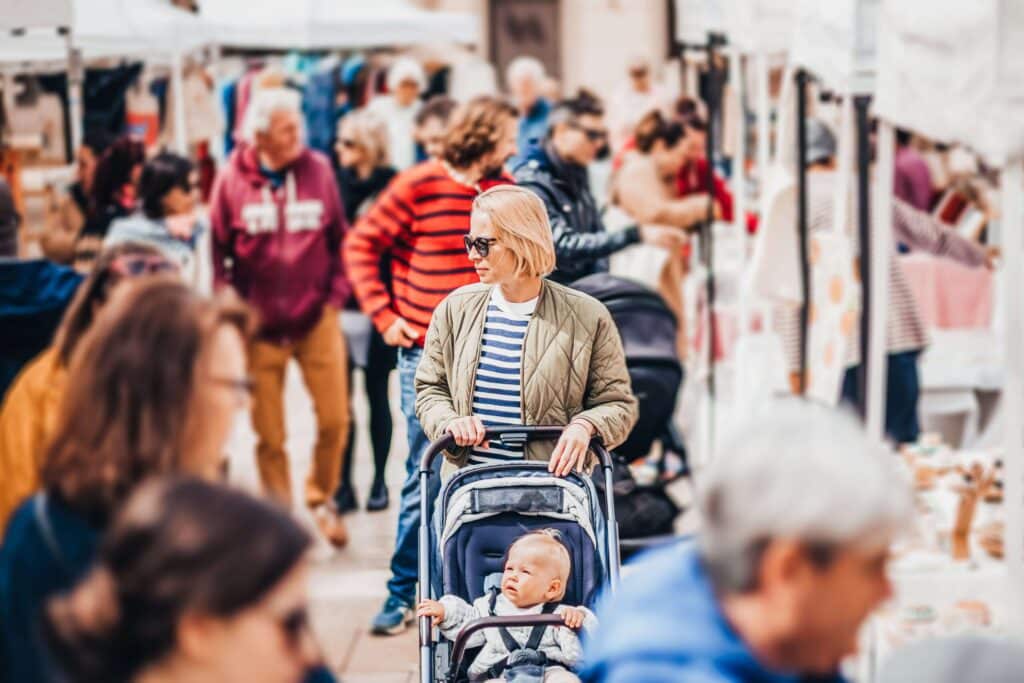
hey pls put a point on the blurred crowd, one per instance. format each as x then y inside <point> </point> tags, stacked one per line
<point>156,316</point>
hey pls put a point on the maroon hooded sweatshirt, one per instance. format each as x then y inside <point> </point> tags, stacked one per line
<point>280,248</point>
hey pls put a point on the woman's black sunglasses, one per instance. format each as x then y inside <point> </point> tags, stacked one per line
<point>481,244</point>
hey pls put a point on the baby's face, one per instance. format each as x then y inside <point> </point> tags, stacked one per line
<point>532,575</point>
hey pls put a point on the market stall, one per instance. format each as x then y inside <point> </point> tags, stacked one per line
<point>327,25</point>
<point>954,73</point>
<point>66,34</point>
<point>950,575</point>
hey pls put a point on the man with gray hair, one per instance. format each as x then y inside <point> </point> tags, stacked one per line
<point>799,508</point>
<point>525,78</point>
<point>277,230</point>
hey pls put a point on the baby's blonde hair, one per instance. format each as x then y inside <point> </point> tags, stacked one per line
<point>553,539</point>
<point>521,222</point>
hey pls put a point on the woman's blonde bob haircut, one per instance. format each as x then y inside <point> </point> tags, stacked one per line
<point>370,132</point>
<point>521,223</point>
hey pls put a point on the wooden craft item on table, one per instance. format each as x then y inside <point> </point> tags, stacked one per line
<point>990,538</point>
<point>976,481</point>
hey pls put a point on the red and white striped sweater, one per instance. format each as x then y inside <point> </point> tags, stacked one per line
<point>419,221</point>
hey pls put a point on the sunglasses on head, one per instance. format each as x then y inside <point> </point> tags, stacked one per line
<point>133,266</point>
<point>481,244</point>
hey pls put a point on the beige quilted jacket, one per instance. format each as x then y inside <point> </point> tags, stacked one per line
<point>573,366</point>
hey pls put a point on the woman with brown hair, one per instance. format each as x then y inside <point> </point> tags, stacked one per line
<point>111,196</point>
<point>185,589</point>
<point>152,389</point>
<point>645,185</point>
<point>645,189</point>
<point>28,415</point>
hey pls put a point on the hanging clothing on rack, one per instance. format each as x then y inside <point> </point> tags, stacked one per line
<point>321,107</point>
<point>203,120</point>
<point>35,117</point>
<point>103,98</point>
<point>228,93</point>
<point>142,114</point>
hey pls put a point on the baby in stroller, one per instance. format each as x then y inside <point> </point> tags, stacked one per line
<point>537,567</point>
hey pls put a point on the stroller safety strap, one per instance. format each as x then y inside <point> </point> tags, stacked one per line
<point>530,656</point>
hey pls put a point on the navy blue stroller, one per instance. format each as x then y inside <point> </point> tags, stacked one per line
<point>481,511</point>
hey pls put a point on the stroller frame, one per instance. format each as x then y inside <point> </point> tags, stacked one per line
<point>519,435</point>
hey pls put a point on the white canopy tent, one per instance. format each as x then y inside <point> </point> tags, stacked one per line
<point>955,72</point>
<point>331,24</point>
<point>97,29</point>
<point>835,41</point>
<point>100,29</point>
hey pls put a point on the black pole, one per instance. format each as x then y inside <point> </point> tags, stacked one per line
<point>861,103</point>
<point>708,238</point>
<point>805,273</point>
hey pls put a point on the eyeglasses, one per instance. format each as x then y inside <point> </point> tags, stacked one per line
<point>595,135</point>
<point>481,244</point>
<point>134,266</point>
<point>243,385</point>
<point>294,624</point>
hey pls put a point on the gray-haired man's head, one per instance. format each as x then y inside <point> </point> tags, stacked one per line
<point>799,508</point>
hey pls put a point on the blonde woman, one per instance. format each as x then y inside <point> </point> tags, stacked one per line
<point>364,161</point>
<point>520,349</point>
<point>364,170</point>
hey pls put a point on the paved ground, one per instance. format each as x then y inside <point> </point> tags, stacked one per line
<point>348,586</point>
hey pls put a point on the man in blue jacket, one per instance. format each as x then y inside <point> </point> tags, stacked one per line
<point>798,513</point>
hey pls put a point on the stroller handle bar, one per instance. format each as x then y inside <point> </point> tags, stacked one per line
<point>518,434</point>
<point>514,435</point>
<point>462,640</point>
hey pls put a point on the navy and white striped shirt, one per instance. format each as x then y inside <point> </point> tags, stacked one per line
<point>497,398</point>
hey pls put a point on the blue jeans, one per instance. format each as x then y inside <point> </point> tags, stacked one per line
<point>902,390</point>
<point>404,561</point>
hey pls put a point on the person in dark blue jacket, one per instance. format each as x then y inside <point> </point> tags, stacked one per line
<point>798,510</point>
<point>33,297</point>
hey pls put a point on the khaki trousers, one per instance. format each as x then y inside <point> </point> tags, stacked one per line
<point>323,360</point>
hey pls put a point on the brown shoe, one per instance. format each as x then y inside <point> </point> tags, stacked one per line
<point>331,525</point>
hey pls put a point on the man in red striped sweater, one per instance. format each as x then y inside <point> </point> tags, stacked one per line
<point>419,222</point>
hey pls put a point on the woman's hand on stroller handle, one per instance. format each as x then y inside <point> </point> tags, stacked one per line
<point>571,450</point>
<point>432,609</point>
<point>468,431</point>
